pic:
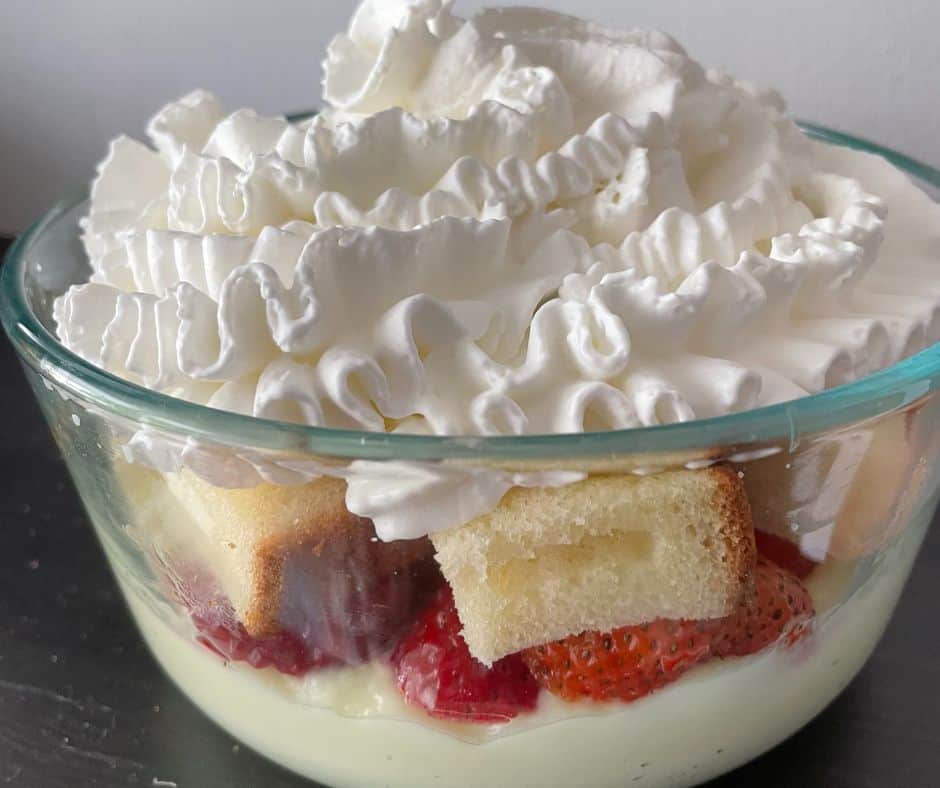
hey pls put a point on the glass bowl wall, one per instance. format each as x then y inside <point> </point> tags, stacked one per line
<point>851,475</point>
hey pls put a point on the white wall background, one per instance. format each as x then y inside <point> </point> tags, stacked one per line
<point>74,74</point>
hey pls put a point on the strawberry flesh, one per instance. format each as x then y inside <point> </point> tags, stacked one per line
<point>631,662</point>
<point>220,631</point>
<point>624,664</point>
<point>434,670</point>
<point>780,609</point>
<point>354,598</point>
<point>784,553</point>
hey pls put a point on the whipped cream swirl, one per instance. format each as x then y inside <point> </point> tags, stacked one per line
<point>516,223</point>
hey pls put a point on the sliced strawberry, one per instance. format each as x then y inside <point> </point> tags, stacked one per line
<point>220,631</point>
<point>631,662</point>
<point>434,670</point>
<point>779,609</point>
<point>784,553</point>
<point>354,596</point>
<point>624,664</point>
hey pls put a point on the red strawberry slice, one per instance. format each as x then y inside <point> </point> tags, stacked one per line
<point>780,609</point>
<point>624,664</point>
<point>434,670</point>
<point>354,596</point>
<point>220,631</point>
<point>784,553</point>
<point>631,662</point>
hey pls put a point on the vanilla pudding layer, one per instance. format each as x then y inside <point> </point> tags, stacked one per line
<point>349,727</point>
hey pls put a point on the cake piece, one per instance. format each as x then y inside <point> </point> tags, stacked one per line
<point>598,554</point>
<point>295,558</point>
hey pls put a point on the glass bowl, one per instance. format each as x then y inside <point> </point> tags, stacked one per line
<point>276,611</point>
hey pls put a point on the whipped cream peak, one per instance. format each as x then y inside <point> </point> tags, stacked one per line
<point>515,223</point>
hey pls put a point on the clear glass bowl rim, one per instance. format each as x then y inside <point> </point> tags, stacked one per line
<point>890,389</point>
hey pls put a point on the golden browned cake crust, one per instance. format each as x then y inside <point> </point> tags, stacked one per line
<point>316,514</point>
<point>731,503</point>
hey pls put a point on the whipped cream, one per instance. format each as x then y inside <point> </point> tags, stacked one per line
<point>517,223</point>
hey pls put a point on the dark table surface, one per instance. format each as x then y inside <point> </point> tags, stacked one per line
<point>82,702</point>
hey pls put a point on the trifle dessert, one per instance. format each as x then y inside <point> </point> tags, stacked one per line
<point>563,303</point>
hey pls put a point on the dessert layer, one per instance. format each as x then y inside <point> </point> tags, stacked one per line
<point>599,554</point>
<point>510,224</point>
<point>350,727</point>
<point>593,232</point>
<point>514,223</point>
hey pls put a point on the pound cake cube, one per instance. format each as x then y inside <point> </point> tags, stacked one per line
<point>294,557</point>
<point>602,553</point>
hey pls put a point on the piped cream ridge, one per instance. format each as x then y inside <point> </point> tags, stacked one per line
<point>517,223</point>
